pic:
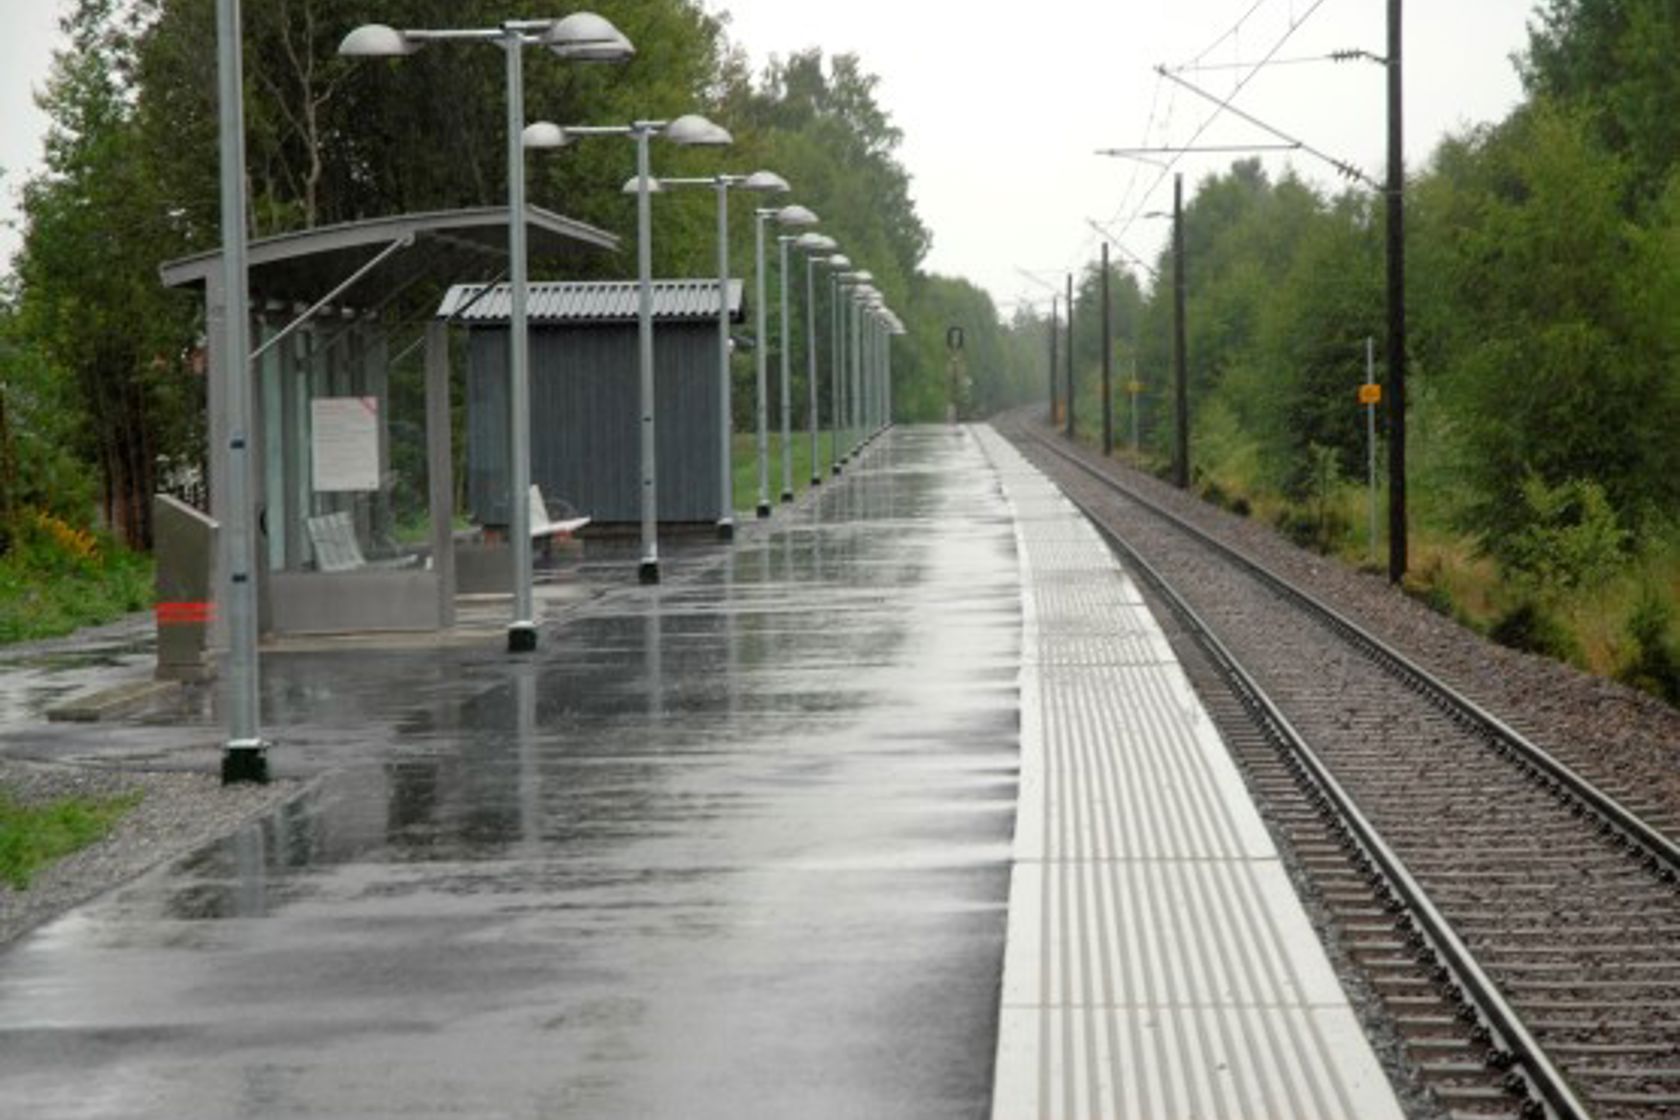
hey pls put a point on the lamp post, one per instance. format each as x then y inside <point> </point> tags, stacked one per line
<point>817,247</point>
<point>845,382</point>
<point>766,182</point>
<point>582,36</point>
<point>783,241</point>
<point>839,263</point>
<point>783,216</point>
<point>691,130</point>
<point>244,756</point>
<point>854,389</point>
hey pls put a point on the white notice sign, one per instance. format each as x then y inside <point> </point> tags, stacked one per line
<point>344,448</point>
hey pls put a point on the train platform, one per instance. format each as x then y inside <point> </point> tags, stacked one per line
<point>895,807</point>
<point>1158,962</point>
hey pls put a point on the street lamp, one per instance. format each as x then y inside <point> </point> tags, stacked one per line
<point>817,249</point>
<point>862,298</point>
<point>784,241</point>
<point>766,182</point>
<point>690,130</point>
<point>791,217</point>
<point>839,263</point>
<point>581,37</point>
<point>851,283</point>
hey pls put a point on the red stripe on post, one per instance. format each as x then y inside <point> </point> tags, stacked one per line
<point>191,612</point>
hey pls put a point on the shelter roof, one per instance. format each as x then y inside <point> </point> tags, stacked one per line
<point>304,265</point>
<point>588,302</point>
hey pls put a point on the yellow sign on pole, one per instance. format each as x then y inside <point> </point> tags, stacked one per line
<point>1134,387</point>
<point>1370,394</point>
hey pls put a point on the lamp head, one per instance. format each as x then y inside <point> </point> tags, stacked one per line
<point>691,130</point>
<point>633,185</point>
<point>840,261</point>
<point>796,217</point>
<point>587,37</point>
<point>544,134</point>
<point>766,181</point>
<point>376,40</point>
<point>815,243</point>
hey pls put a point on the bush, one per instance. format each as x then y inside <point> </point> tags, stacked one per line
<point>1654,664</point>
<point>1533,628</point>
<point>1570,538</point>
<point>57,578</point>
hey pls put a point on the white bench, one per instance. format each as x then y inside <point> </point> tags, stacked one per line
<point>542,528</point>
<point>333,537</point>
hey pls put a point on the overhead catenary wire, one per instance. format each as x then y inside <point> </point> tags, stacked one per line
<point>1289,32</point>
<point>1224,104</point>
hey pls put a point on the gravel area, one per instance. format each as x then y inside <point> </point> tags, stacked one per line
<point>1613,733</point>
<point>178,813</point>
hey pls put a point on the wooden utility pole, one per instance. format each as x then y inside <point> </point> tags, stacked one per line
<point>1070,356</point>
<point>1055,325</point>
<point>1181,445</point>
<point>1107,362</point>
<point>1396,308</point>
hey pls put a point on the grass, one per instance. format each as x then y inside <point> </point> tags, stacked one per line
<point>45,605</point>
<point>744,465</point>
<point>34,836</point>
<point>55,579</point>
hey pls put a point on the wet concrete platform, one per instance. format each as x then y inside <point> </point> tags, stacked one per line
<point>737,845</point>
<point>1159,965</point>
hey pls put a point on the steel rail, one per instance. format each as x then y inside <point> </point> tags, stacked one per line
<point>1510,1037</point>
<point>1662,853</point>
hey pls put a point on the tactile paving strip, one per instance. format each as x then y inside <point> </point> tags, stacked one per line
<point>1158,964</point>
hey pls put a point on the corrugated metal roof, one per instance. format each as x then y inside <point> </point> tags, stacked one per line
<point>590,302</point>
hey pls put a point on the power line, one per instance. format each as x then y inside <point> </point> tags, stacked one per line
<point>1351,55</point>
<point>1236,29</point>
<point>1242,83</point>
<point>1343,166</point>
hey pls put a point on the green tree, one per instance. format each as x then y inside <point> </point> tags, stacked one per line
<point>1551,363</point>
<point>1614,59</point>
<point>89,304</point>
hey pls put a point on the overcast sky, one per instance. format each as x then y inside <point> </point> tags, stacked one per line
<point>1003,105</point>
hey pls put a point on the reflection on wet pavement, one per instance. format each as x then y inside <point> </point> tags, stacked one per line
<point>732,846</point>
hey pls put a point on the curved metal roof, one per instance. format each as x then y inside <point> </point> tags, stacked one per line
<point>302,265</point>
<point>613,301</point>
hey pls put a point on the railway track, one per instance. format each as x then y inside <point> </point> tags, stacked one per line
<point>1517,925</point>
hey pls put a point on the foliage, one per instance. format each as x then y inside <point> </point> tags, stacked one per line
<point>1654,661</point>
<point>88,305</point>
<point>1534,627</point>
<point>1615,59</point>
<point>56,578</point>
<point>1568,538</point>
<point>33,836</point>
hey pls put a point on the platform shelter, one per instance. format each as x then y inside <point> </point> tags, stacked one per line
<point>585,410</point>
<point>353,479</point>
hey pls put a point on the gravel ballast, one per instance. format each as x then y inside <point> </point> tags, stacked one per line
<point>178,813</point>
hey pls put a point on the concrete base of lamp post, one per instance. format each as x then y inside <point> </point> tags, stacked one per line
<point>816,479</point>
<point>648,571</point>
<point>522,637</point>
<point>764,509</point>
<point>787,495</point>
<point>726,529</point>
<point>836,468</point>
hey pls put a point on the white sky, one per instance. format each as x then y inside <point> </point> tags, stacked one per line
<point>1002,106</point>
